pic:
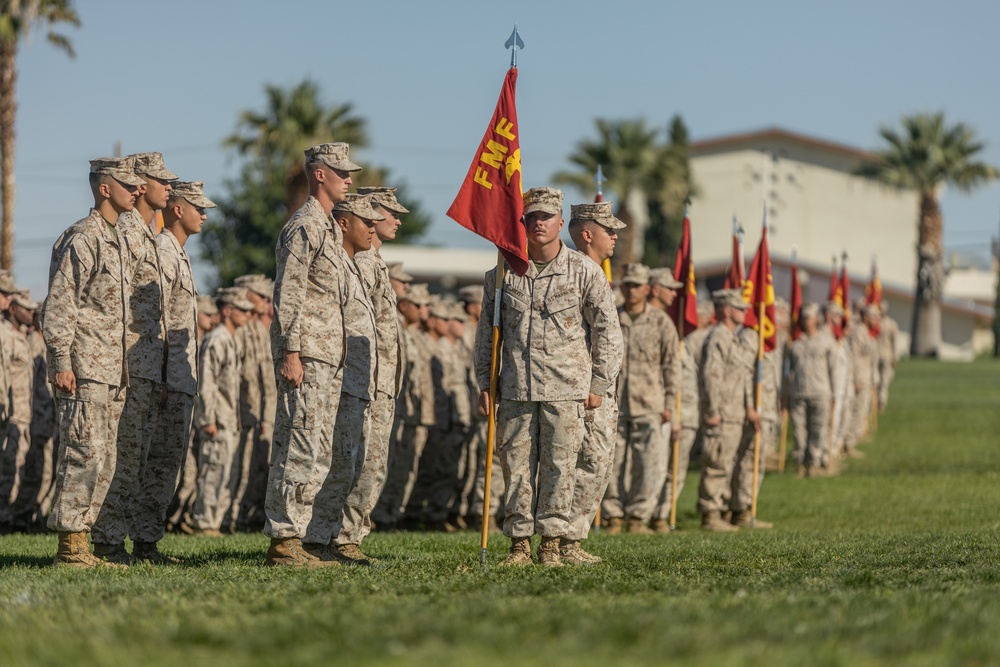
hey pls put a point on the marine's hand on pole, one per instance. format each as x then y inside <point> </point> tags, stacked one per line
<point>593,402</point>
<point>484,403</point>
<point>754,418</point>
<point>666,416</point>
<point>291,369</point>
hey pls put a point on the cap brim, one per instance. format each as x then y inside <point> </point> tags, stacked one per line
<point>128,179</point>
<point>395,207</point>
<point>402,277</point>
<point>634,281</point>
<point>611,222</point>
<point>343,165</point>
<point>544,208</point>
<point>163,174</point>
<point>200,202</point>
<point>30,305</point>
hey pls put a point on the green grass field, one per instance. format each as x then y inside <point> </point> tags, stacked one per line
<point>894,562</point>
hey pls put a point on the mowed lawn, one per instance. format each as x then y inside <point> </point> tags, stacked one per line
<point>895,562</point>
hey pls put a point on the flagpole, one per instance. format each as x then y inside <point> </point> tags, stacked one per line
<point>513,43</point>
<point>759,382</point>
<point>606,266</point>
<point>491,418</point>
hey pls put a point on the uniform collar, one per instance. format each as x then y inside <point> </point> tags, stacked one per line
<point>557,266</point>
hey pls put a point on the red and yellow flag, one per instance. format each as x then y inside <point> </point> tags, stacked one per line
<point>489,202</point>
<point>845,290</point>
<point>735,276</point>
<point>873,290</point>
<point>796,301</point>
<point>684,272</point>
<point>759,289</point>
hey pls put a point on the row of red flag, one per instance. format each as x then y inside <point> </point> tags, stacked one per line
<point>490,204</point>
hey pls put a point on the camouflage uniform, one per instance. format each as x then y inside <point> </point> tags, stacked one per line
<point>18,483</point>
<point>770,419</point>
<point>724,385</point>
<point>352,427</point>
<point>219,404</point>
<point>864,360</point>
<point>690,420</point>
<point>843,400</point>
<point>173,424</point>
<point>309,297</point>
<point>43,426</point>
<point>887,342</point>
<point>251,413</point>
<point>546,374</point>
<point>811,369</point>
<point>83,322</point>
<point>251,511</point>
<point>647,386</point>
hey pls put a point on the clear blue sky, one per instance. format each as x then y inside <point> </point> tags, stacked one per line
<point>172,76</point>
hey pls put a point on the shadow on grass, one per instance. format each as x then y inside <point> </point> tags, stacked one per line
<point>16,560</point>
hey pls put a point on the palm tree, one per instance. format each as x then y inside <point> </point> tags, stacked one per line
<point>17,19</point>
<point>631,157</point>
<point>294,120</point>
<point>925,156</point>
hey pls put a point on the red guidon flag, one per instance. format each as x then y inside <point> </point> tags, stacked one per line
<point>759,289</point>
<point>796,303</point>
<point>489,202</point>
<point>684,272</point>
<point>735,276</point>
<point>845,290</point>
<point>873,290</point>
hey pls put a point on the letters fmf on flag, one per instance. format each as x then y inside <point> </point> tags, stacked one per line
<point>489,202</point>
<point>759,288</point>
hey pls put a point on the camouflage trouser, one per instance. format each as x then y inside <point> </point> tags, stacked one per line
<point>718,460</point>
<point>158,478</point>
<point>302,449</point>
<point>664,501</point>
<point>186,483</point>
<point>17,442</point>
<point>742,483</point>
<point>30,466</point>
<point>251,515</point>
<point>886,371</point>
<point>861,408</point>
<point>497,487</point>
<point>356,522</point>
<point>405,451</point>
<point>539,443</point>
<point>47,490</point>
<point>593,466</point>
<point>637,475</point>
<point>88,436</point>
<point>135,432</point>
<point>350,435</point>
<point>810,419</point>
<point>215,465</point>
<point>840,433</point>
<point>242,460</point>
<point>469,465</point>
<point>437,482</point>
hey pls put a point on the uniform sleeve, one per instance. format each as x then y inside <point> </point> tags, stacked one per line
<point>168,282</point>
<point>268,381</point>
<point>482,354</point>
<point>291,281</point>
<point>607,344</point>
<point>670,364</point>
<point>59,318</point>
<point>831,367</point>
<point>208,383</point>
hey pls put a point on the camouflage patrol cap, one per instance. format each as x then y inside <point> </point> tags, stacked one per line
<point>808,310</point>
<point>662,277</point>
<point>833,307</point>
<point>729,297</point>
<point>871,310</point>
<point>193,192</point>
<point>417,295</point>
<point>635,274</point>
<point>151,164</point>
<point>235,297</point>
<point>7,282</point>
<point>384,197</point>
<point>471,294</point>
<point>335,155</point>
<point>440,309</point>
<point>546,200</point>
<point>23,299</point>
<point>359,205</point>
<point>396,272</point>
<point>122,169</point>
<point>257,283</point>
<point>457,312</point>
<point>206,305</point>
<point>599,212</point>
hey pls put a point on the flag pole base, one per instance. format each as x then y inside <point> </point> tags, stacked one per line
<point>482,556</point>
<point>673,528</point>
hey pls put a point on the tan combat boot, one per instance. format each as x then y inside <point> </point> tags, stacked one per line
<point>713,522</point>
<point>73,551</point>
<point>548,552</point>
<point>660,526</point>
<point>520,552</point>
<point>352,554</point>
<point>614,527</point>
<point>148,552</point>
<point>289,552</point>
<point>113,553</point>
<point>572,553</point>
<point>746,520</point>
<point>637,527</point>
